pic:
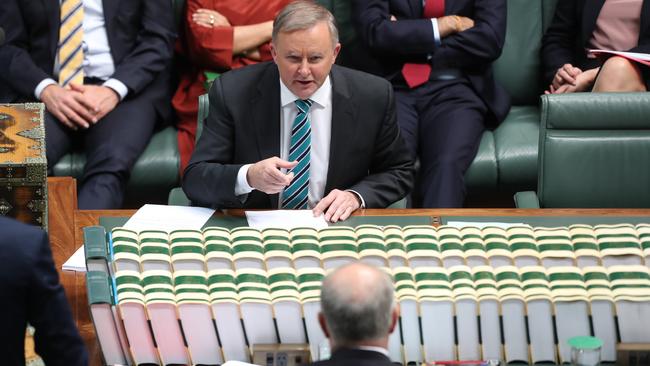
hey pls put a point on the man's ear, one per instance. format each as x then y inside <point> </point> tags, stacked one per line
<point>394,317</point>
<point>323,324</point>
<point>274,52</point>
<point>337,49</point>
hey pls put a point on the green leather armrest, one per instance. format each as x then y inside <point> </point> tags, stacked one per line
<point>527,199</point>
<point>596,111</point>
<point>178,198</point>
<point>594,149</point>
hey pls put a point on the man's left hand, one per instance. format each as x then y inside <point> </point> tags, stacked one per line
<point>337,205</point>
<point>101,100</point>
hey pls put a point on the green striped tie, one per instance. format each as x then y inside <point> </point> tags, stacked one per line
<point>70,42</point>
<point>296,195</point>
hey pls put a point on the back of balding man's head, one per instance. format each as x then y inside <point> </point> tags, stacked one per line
<point>357,301</point>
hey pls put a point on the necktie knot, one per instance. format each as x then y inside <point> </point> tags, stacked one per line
<point>303,105</point>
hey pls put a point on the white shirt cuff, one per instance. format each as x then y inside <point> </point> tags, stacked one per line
<point>363,203</point>
<point>241,186</point>
<point>436,32</point>
<point>41,86</point>
<point>118,86</point>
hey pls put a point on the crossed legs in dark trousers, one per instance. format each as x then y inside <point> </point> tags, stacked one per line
<point>442,123</point>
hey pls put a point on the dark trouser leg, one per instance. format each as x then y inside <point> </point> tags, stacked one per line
<point>112,146</point>
<point>451,124</point>
<point>407,118</point>
<point>58,139</point>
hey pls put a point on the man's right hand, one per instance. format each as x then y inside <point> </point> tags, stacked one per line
<point>266,176</point>
<point>67,106</point>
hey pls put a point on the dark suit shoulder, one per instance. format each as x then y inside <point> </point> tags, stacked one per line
<point>360,80</point>
<point>20,247</point>
<point>355,357</point>
<point>245,77</point>
<point>16,234</point>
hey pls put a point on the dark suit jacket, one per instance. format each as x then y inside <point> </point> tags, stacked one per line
<point>410,39</point>
<point>140,35</point>
<point>31,292</point>
<point>568,35</point>
<point>355,357</point>
<point>367,153</point>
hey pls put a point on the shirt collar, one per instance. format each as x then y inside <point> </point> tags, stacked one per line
<point>322,96</point>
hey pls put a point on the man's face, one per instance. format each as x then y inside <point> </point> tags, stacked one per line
<point>304,58</point>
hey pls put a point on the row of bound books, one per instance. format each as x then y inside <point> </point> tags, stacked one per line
<point>263,287</point>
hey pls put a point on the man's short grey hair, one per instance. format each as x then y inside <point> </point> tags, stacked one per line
<point>301,15</point>
<point>355,314</point>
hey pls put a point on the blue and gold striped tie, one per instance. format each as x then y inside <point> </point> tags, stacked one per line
<point>296,195</point>
<point>70,42</point>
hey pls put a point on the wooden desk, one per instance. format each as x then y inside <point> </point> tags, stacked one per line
<point>75,283</point>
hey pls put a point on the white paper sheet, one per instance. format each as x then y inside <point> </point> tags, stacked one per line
<point>77,262</point>
<point>168,218</point>
<point>284,219</point>
<point>640,57</point>
<point>481,225</point>
<point>152,217</point>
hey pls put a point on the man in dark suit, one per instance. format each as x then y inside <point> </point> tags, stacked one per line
<point>359,313</point>
<point>300,132</point>
<point>102,70</point>
<point>438,56</point>
<point>32,294</point>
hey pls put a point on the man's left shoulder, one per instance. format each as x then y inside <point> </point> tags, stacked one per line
<point>359,78</point>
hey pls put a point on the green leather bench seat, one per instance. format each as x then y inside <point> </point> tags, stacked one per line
<point>507,156</point>
<point>594,152</point>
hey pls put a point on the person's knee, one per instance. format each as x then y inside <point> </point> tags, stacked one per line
<point>619,75</point>
<point>108,159</point>
<point>617,67</point>
<point>446,164</point>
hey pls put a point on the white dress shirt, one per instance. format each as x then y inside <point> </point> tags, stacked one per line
<point>436,30</point>
<point>320,115</point>
<point>98,61</point>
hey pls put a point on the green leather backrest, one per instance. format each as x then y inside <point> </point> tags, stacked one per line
<point>548,8</point>
<point>595,150</point>
<point>519,67</point>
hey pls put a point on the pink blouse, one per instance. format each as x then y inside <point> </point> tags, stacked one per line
<point>617,26</point>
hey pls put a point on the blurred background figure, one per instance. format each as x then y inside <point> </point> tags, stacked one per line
<point>438,55</point>
<point>102,69</point>
<point>218,36</point>
<point>578,25</point>
<point>31,293</point>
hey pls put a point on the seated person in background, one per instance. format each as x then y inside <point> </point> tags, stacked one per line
<point>438,56</point>
<point>358,313</point>
<point>218,36</point>
<point>610,25</point>
<point>103,74</point>
<point>300,132</point>
<point>32,294</point>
